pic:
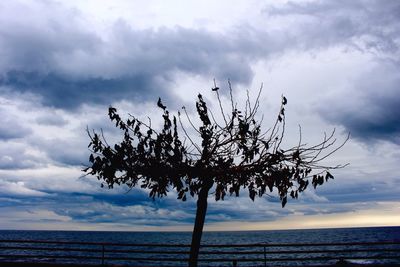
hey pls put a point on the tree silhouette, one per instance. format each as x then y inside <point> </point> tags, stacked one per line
<point>233,154</point>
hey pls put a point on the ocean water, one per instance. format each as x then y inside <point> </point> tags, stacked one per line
<point>345,235</point>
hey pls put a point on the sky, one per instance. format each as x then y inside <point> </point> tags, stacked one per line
<point>63,63</point>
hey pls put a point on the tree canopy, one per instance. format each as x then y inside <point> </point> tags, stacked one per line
<point>234,153</point>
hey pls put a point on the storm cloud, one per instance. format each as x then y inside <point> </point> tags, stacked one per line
<point>67,64</point>
<point>369,105</point>
<point>370,113</point>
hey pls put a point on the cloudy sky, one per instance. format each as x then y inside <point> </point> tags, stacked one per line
<point>62,63</point>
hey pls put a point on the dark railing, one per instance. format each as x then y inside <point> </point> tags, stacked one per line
<point>210,255</point>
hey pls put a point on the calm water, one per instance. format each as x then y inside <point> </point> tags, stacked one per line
<point>244,237</point>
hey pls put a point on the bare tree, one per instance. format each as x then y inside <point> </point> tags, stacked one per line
<point>234,153</point>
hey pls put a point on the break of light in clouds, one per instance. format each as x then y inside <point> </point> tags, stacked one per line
<point>62,63</point>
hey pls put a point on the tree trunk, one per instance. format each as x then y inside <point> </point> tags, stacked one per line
<point>198,225</point>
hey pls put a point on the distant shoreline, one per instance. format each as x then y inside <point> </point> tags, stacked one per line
<point>27,264</point>
<point>205,231</point>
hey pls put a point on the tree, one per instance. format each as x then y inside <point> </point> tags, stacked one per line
<point>233,154</point>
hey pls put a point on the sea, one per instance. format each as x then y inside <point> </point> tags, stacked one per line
<point>264,255</point>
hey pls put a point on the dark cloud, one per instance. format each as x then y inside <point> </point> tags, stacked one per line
<point>370,110</point>
<point>60,91</point>
<point>148,72</point>
<point>122,198</point>
<point>369,107</point>
<point>68,65</point>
